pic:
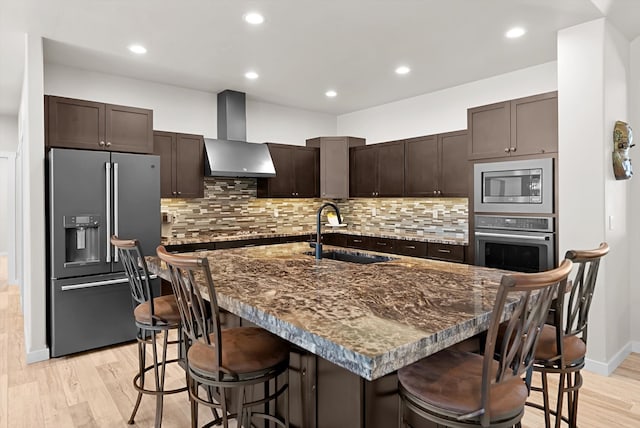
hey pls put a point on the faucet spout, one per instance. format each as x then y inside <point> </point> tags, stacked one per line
<point>319,226</point>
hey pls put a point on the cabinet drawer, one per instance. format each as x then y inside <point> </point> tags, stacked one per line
<point>336,239</point>
<point>411,248</point>
<point>361,242</point>
<point>448,252</point>
<point>384,245</point>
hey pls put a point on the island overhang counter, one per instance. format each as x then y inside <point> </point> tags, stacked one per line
<point>368,319</point>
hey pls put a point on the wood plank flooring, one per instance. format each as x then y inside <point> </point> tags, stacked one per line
<point>93,389</point>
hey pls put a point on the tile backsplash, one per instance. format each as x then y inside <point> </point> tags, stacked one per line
<point>230,206</point>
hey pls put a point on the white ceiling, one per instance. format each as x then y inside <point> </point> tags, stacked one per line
<point>304,47</point>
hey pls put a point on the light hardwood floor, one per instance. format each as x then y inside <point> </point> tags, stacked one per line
<point>93,389</point>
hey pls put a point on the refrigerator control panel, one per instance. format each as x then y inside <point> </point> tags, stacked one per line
<point>75,221</point>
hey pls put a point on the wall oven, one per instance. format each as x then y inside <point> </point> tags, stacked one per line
<point>523,186</point>
<point>522,244</point>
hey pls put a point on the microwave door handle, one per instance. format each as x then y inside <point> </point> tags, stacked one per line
<point>506,235</point>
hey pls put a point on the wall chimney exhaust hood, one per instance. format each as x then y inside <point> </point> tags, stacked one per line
<point>230,155</point>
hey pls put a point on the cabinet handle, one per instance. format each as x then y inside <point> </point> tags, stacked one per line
<point>108,143</point>
<point>101,143</point>
<point>173,193</point>
<point>507,149</point>
<point>513,149</point>
<point>435,192</point>
<point>411,247</point>
<point>382,244</point>
<point>179,193</point>
<point>439,192</point>
<point>357,241</point>
<point>440,250</point>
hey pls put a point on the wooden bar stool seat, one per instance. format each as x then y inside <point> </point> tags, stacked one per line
<point>452,381</point>
<point>165,311</point>
<point>152,315</point>
<point>573,347</point>
<point>225,365</point>
<point>461,389</point>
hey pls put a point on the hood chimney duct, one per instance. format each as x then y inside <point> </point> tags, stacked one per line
<point>232,116</point>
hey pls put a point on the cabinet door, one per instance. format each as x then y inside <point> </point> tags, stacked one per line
<point>363,174</point>
<point>306,163</point>
<point>490,130</point>
<point>421,166</point>
<point>390,169</point>
<point>334,167</point>
<point>454,166</point>
<point>129,129</point>
<point>75,124</point>
<point>164,146</point>
<point>189,169</point>
<point>534,125</point>
<point>281,186</point>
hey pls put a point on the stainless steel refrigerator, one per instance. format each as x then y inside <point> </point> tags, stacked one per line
<point>91,196</point>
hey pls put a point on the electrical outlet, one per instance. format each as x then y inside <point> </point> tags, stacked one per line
<point>434,213</point>
<point>374,212</point>
<point>275,212</point>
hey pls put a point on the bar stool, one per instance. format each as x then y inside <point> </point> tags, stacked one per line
<point>462,389</point>
<point>152,315</point>
<point>225,361</point>
<point>562,346</point>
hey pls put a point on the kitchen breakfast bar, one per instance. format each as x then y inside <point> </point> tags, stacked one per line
<point>355,324</point>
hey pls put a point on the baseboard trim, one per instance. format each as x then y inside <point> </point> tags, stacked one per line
<point>37,356</point>
<point>605,369</point>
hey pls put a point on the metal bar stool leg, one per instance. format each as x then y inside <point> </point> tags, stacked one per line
<point>141,366</point>
<point>545,399</point>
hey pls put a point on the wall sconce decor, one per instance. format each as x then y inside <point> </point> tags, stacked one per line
<point>622,138</point>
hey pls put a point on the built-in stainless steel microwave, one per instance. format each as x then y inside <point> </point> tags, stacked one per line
<point>522,186</point>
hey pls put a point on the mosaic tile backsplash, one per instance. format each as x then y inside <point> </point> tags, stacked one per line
<point>230,206</point>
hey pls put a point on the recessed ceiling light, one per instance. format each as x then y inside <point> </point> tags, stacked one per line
<point>138,49</point>
<point>515,32</point>
<point>254,18</point>
<point>331,93</point>
<point>251,75</point>
<point>403,69</point>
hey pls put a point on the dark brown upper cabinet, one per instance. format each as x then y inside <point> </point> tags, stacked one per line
<point>181,164</point>
<point>334,164</point>
<point>377,170</point>
<point>297,173</point>
<point>79,124</point>
<point>436,165</point>
<point>524,126</point>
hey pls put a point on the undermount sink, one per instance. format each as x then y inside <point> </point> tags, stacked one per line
<point>359,258</point>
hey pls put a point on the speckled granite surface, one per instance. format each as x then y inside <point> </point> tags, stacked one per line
<point>221,237</point>
<point>370,319</point>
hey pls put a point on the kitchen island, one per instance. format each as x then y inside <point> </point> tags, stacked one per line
<point>364,322</point>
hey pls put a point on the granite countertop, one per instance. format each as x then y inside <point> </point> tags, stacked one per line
<point>238,236</point>
<point>370,319</point>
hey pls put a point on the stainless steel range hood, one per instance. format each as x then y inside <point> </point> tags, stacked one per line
<point>230,155</point>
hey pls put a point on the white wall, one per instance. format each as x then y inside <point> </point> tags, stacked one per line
<point>634,194</point>
<point>592,73</point>
<point>4,208</point>
<point>278,124</point>
<point>186,110</point>
<point>33,209</point>
<point>8,133</point>
<point>175,109</point>
<point>617,203</point>
<point>444,110</point>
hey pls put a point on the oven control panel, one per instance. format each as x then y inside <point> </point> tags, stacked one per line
<point>537,224</point>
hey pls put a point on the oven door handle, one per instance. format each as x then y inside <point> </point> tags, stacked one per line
<point>505,235</point>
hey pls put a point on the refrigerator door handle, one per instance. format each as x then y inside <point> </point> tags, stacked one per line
<point>100,283</point>
<point>108,191</point>
<point>116,212</point>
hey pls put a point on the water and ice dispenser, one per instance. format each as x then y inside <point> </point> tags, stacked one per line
<point>82,239</point>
